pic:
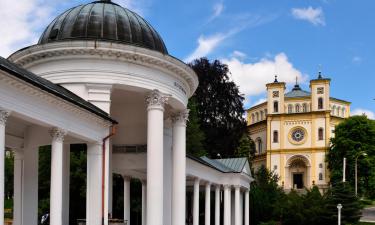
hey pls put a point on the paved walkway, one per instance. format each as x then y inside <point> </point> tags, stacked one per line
<point>368,215</point>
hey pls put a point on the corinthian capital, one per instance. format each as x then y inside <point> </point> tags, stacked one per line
<point>181,117</point>
<point>4,114</point>
<point>58,134</point>
<point>156,99</point>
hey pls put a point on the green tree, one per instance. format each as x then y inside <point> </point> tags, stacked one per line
<point>265,193</point>
<point>194,135</point>
<point>246,147</point>
<point>343,194</point>
<point>219,106</point>
<point>353,136</point>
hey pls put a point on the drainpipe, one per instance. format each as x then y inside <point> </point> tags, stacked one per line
<point>113,132</point>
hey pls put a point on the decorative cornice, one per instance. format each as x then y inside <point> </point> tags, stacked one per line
<point>181,117</point>
<point>33,91</point>
<point>4,114</point>
<point>58,134</point>
<point>156,100</point>
<point>49,52</point>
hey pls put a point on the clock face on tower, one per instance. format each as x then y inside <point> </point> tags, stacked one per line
<point>298,135</point>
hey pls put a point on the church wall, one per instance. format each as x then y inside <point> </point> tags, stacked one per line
<point>275,126</point>
<point>289,126</point>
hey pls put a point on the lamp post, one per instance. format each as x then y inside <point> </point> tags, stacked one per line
<point>339,207</point>
<point>356,170</point>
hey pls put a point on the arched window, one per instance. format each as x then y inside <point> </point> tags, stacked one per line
<point>265,112</point>
<point>290,108</point>
<point>261,115</point>
<point>275,106</point>
<point>253,118</point>
<point>257,116</point>
<point>338,111</point>
<point>304,107</point>
<point>275,136</point>
<point>298,107</point>
<point>343,112</point>
<point>320,176</point>
<point>259,145</point>
<point>321,134</point>
<point>320,103</point>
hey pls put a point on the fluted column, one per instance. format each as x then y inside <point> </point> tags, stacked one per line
<point>144,201</point>
<point>179,168</point>
<point>3,119</point>
<point>217,205</point>
<point>227,204</point>
<point>155,157</point>
<point>127,198</point>
<point>237,216</point>
<point>196,202</point>
<point>94,184</point>
<point>207,212</point>
<point>247,208</point>
<point>57,176</point>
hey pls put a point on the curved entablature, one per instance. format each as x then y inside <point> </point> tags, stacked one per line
<point>106,63</point>
<point>298,160</point>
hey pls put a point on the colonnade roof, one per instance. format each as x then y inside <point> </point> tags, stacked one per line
<point>52,88</point>
<point>227,165</point>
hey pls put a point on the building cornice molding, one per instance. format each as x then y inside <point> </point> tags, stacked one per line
<point>91,49</point>
<point>64,105</point>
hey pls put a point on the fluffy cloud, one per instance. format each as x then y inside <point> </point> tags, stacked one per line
<point>314,16</point>
<point>206,45</point>
<point>370,114</point>
<point>20,23</point>
<point>252,77</point>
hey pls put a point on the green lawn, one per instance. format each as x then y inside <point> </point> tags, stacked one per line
<point>363,223</point>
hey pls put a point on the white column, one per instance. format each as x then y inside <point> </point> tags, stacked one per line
<point>18,184</point>
<point>155,127</point>
<point>237,216</point>
<point>3,119</point>
<point>247,209</point>
<point>179,168</point>
<point>217,205</point>
<point>227,203</point>
<point>207,212</point>
<point>144,202</point>
<point>127,198</point>
<point>94,184</point>
<point>30,176</point>
<point>56,193</point>
<point>66,183</point>
<point>196,202</point>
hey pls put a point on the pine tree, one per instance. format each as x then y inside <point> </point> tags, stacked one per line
<point>343,194</point>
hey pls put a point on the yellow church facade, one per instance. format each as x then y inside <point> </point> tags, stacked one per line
<point>292,132</point>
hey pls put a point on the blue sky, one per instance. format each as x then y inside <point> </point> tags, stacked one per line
<point>256,38</point>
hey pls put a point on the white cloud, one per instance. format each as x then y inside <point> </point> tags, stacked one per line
<point>20,23</point>
<point>218,8</point>
<point>314,16</point>
<point>370,114</point>
<point>252,77</point>
<point>238,55</point>
<point>206,45</point>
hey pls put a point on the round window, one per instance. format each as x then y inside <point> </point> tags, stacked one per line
<point>298,134</point>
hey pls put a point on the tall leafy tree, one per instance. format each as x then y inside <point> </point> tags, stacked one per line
<point>194,135</point>
<point>354,136</point>
<point>220,107</point>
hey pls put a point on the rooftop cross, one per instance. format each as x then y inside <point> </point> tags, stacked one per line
<point>276,81</point>
<point>320,72</point>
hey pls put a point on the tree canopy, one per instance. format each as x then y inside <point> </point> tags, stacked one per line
<point>353,137</point>
<point>219,107</point>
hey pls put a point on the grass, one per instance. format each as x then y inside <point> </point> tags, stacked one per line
<point>364,223</point>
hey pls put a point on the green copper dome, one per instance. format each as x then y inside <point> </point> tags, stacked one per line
<point>105,21</point>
